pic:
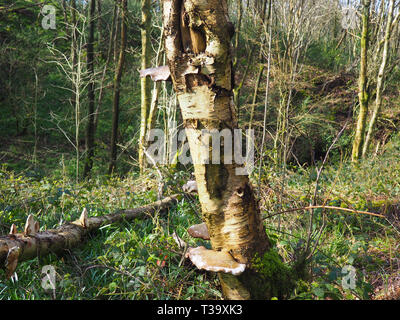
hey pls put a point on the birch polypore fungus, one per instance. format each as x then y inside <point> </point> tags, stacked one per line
<point>215,261</point>
<point>190,186</point>
<point>210,260</point>
<point>199,231</point>
<point>156,74</point>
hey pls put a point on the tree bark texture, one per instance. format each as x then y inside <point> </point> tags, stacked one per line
<point>198,50</point>
<point>362,83</point>
<point>145,82</point>
<point>380,81</point>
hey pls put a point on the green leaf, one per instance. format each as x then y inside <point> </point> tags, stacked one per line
<point>319,292</point>
<point>112,286</point>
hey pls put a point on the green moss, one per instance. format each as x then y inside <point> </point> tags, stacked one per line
<point>269,277</point>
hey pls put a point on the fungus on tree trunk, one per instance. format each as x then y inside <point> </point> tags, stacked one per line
<point>197,44</point>
<point>190,186</point>
<point>156,74</point>
<point>199,231</point>
<point>215,261</point>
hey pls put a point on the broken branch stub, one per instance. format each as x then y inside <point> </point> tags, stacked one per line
<point>11,261</point>
<point>156,74</point>
<point>216,261</point>
<point>13,229</point>
<point>83,220</point>
<point>31,226</point>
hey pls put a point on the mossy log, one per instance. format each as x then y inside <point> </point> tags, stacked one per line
<point>16,247</point>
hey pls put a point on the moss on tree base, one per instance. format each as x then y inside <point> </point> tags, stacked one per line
<point>268,277</point>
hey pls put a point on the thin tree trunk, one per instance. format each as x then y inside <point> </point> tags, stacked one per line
<point>203,85</point>
<point>363,92</point>
<point>117,31</point>
<point>380,80</point>
<point>238,88</point>
<point>64,8</point>
<point>100,30</point>
<point>117,82</point>
<point>236,91</point>
<point>91,95</point>
<point>260,58</point>
<point>18,247</point>
<point>76,80</point>
<point>156,91</point>
<point>144,81</point>
<point>74,36</point>
<point>237,33</point>
<point>256,88</point>
<point>110,46</point>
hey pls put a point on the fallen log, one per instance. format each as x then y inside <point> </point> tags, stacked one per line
<point>16,247</point>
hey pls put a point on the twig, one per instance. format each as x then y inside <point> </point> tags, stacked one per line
<point>326,207</point>
<point>182,245</point>
<point>161,181</point>
<point>319,171</point>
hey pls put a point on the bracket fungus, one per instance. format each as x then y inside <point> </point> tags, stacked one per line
<point>210,260</point>
<point>216,261</point>
<point>157,74</point>
<point>190,186</point>
<point>199,231</point>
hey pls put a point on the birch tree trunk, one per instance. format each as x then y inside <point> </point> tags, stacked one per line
<point>151,118</point>
<point>145,81</point>
<point>363,93</point>
<point>380,81</point>
<point>198,50</point>
<point>260,59</point>
<point>91,94</point>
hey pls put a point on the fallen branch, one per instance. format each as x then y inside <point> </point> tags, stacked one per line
<point>16,247</point>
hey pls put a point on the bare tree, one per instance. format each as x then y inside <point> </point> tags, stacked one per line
<point>91,95</point>
<point>117,83</point>
<point>363,95</point>
<point>380,81</point>
<point>73,67</point>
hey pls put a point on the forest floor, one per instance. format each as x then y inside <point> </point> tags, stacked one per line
<point>140,260</point>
